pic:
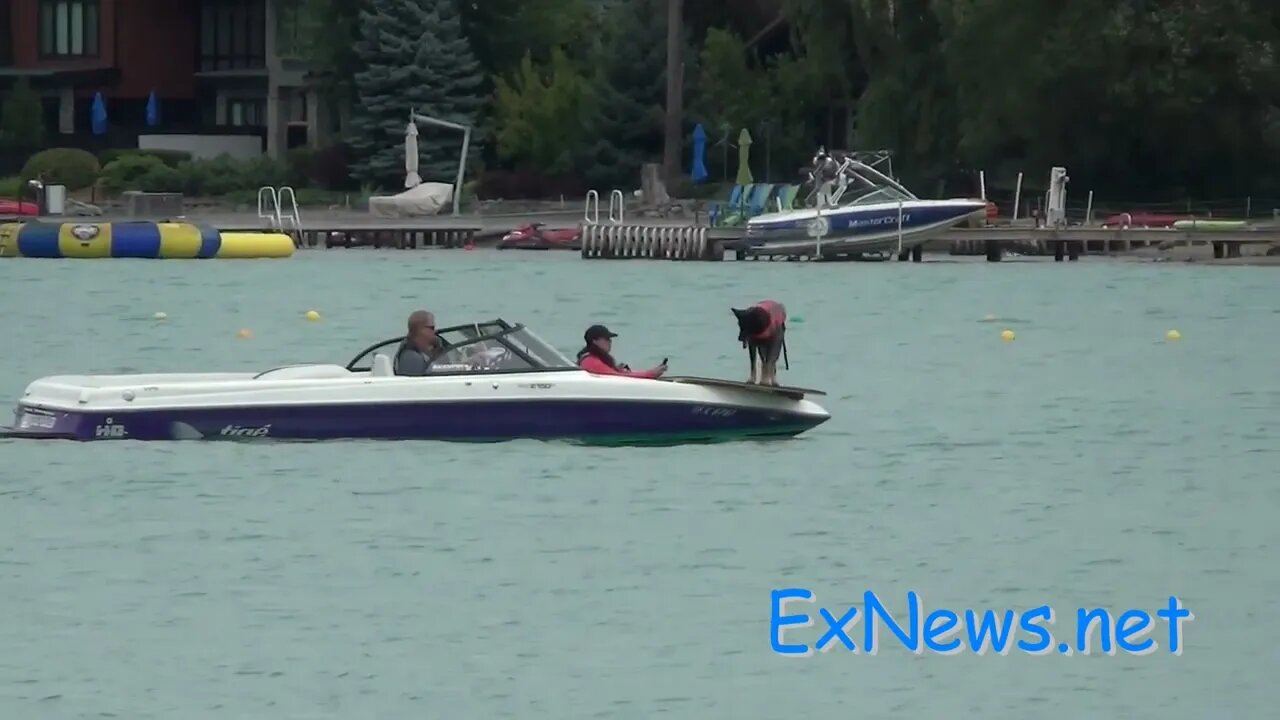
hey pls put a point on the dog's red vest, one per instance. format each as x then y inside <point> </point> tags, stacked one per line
<point>777,319</point>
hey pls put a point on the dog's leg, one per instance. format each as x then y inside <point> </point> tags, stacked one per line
<point>769,373</point>
<point>751,355</point>
<point>769,361</point>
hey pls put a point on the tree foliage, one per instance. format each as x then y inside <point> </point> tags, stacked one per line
<point>630,87</point>
<point>1137,98</point>
<point>541,113</point>
<point>22,119</point>
<point>330,31</point>
<point>414,56</point>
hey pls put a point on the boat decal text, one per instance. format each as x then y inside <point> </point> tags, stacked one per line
<point>36,420</point>
<point>242,431</point>
<point>714,411</point>
<point>109,430</point>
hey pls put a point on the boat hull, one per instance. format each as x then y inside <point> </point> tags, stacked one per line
<point>867,228</point>
<point>488,410</point>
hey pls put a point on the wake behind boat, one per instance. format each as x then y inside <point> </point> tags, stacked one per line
<point>855,208</point>
<point>494,382</point>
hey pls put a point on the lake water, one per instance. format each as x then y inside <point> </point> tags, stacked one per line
<point>1088,463</point>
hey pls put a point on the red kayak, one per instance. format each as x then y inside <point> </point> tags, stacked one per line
<point>536,236</point>
<point>18,207</point>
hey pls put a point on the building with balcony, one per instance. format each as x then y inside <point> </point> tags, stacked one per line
<point>223,71</point>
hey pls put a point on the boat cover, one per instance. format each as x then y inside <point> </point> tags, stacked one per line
<point>425,199</point>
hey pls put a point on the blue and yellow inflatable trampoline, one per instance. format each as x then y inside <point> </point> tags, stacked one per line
<point>150,240</point>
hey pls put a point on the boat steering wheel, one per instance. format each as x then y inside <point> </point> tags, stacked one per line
<point>492,359</point>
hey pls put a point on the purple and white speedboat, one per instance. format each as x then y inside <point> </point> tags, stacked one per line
<point>494,382</point>
<point>854,209</point>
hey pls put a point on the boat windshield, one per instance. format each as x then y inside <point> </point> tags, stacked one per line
<point>493,346</point>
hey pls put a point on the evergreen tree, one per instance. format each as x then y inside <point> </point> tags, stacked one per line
<point>21,120</point>
<point>415,57</point>
<point>631,94</point>
<point>330,30</point>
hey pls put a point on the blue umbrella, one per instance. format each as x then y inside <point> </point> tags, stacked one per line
<point>153,110</point>
<point>699,172</point>
<point>99,115</point>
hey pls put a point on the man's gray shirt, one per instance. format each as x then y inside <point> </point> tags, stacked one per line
<point>411,361</point>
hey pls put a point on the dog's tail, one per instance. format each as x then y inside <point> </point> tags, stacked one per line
<point>786,363</point>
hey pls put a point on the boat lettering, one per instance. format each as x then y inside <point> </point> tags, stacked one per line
<point>36,420</point>
<point>451,366</point>
<point>538,386</point>
<point>882,220</point>
<point>242,431</point>
<point>109,430</point>
<point>714,411</point>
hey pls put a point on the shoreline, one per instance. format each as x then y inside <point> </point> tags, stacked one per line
<point>487,229</point>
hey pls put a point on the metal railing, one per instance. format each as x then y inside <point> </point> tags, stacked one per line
<point>279,207</point>
<point>617,208</point>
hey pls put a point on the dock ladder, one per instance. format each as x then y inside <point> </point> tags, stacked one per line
<point>279,207</point>
<point>591,214</point>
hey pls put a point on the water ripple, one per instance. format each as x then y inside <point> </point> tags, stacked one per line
<point>1088,463</point>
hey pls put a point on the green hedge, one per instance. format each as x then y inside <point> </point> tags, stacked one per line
<point>11,188</point>
<point>206,178</point>
<point>77,169</point>
<point>323,170</point>
<point>168,157</point>
<point>223,177</point>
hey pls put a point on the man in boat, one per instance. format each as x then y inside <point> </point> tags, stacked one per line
<point>420,344</point>
<point>596,357</point>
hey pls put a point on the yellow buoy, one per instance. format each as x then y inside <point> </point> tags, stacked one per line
<point>1173,335</point>
<point>245,334</point>
<point>312,315</point>
<point>1007,335</point>
<point>160,316</point>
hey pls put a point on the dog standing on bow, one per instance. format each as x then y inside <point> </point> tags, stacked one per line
<point>762,330</point>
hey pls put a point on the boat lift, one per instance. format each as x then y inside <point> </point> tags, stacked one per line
<point>420,119</point>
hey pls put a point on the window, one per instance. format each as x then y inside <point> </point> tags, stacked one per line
<point>245,112</point>
<point>69,28</point>
<point>232,35</point>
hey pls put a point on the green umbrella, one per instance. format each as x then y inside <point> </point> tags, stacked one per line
<point>744,164</point>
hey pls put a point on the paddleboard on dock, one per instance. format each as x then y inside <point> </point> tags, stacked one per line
<point>796,393</point>
<point>1209,225</point>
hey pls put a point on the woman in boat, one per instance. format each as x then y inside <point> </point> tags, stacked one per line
<point>596,357</point>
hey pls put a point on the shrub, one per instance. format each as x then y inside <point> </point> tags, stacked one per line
<point>259,171</point>
<point>22,117</point>
<point>172,158</point>
<point>162,178</point>
<point>126,172</point>
<point>10,188</point>
<point>77,169</point>
<point>328,168</point>
<point>527,185</point>
<point>218,176</point>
